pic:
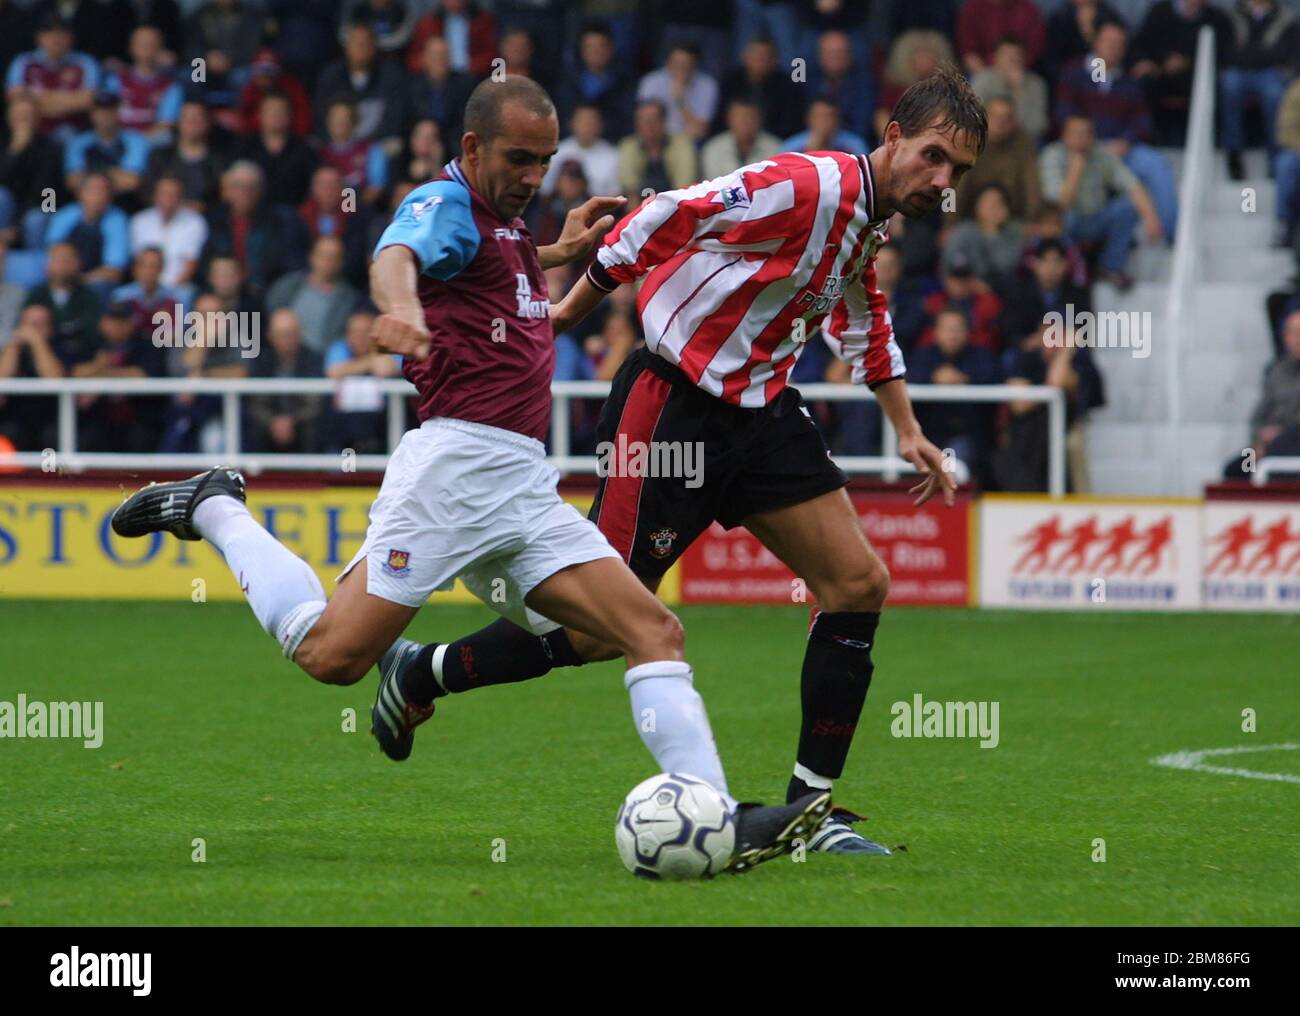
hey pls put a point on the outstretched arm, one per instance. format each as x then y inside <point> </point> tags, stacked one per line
<point>583,228</point>
<point>914,445</point>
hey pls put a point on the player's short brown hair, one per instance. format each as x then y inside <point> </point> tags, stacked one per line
<point>483,110</point>
<point>947,94</point>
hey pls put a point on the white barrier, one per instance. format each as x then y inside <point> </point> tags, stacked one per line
<point>396,391</point>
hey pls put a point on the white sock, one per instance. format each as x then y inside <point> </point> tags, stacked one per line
<point>283,591</point>
<point>670,717</point>
<point>436,664</point>
<point>812,779</point>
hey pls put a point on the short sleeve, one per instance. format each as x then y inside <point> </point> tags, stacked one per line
<point>436,223</point>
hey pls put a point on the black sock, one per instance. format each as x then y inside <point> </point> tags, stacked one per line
<point>501,653</point>
<point>836,675</point>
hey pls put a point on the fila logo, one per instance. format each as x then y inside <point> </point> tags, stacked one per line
<point>507,234</point>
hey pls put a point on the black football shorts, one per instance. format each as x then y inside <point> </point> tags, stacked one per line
<point>677,458</point>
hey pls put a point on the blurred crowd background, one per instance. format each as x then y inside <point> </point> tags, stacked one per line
<point>234,155</point>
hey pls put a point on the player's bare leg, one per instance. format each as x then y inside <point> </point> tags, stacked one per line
<point>353,632</point>
<point>822,542</point>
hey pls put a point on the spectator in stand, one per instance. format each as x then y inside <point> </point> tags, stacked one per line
<point>652,159</point>
<point>545,216</point>
<point>1286,166</point>
<point>964,427</point>
<point>982,24</point>
<point>743,142</point>
<point>1043,287</point>
<point>284,423</point>
<point>519,56</point>
<point>148,94</point>
<point>376,87</point>
<point>542,20</point>
<point>33,351</point>
<point>102,28</point>
<point>1102,200</point>
<point>440,93</point>
<point>362,164</point>
<point>12,298</point>
<point>145,294</point>
<point>762,80</point>
<point>601,80</point>
<point>98,230</point>
<point>931,16</point>
<point>1007,77</point>
<point>177,231</point>
<point>1164,55</point>
<point>1278,408</point>
<point>319,297</point>
<point>1257,66</point>
<point>193,422</point>
<point>824,133</point>
<point>328,211</point>
<point>31,173</point>
<point>303,35</point>
<point>964,291</point>
<point>837,76</point>
<point>706,28</point>
<point>587,146</point>
<point>990,242</point>
<point>1009,158</point>
<point>914,56</point>
<point>689,95</point>
<point>287,161</point>
<point>619,335</point>
<point>121,423</point>
<point>1071,31</point>
<point>471,32</point>
<point>425,153</point>
<point>164,15</point>
<point>267,77</point>
<point>227,281</point>
<point>194,158</point>
<point>391,21</point>
<point>250,229</point>
<point>225,35</point>
<point>1050,358</point>
<point>74,304</point>
<point>1117,105</point>
<point>904,297</point>
<point>357,417</point>
<point>121,155</point>
<point>60,81</point>
<point>1049,224</point>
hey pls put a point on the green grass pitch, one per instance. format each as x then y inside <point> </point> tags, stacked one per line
<point>210,734</point>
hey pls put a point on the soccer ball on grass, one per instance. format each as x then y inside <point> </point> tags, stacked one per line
<point>675,826</point>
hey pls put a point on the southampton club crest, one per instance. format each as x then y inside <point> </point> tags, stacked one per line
<point>661,542</point>
<point>398,563</point>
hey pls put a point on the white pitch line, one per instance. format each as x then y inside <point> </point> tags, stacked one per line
<point>1194,760</point>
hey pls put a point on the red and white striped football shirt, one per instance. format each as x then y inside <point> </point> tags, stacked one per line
<point>734,263</point>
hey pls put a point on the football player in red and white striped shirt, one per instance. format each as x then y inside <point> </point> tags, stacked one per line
<point>739,273</point>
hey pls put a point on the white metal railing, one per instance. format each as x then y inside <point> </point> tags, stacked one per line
<point>396,391</point>
<point>1270,464</point>
<point>1198,165</point>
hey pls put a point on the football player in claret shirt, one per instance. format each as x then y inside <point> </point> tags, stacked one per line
<point>470,493</point>
<point>739,273</point>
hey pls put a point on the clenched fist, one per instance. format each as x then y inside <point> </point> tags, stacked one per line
<point>402,332</point>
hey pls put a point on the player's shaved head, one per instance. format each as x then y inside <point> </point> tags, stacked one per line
<point>483,111</point>
<point>511,132</point>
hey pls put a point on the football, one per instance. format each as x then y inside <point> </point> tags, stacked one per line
<point>674,826</point>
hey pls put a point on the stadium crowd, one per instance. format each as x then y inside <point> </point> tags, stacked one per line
<point>243,156</point>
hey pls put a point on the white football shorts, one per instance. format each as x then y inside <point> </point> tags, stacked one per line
<point>475,502</point>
